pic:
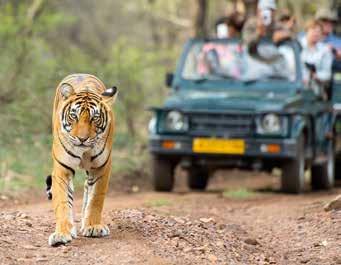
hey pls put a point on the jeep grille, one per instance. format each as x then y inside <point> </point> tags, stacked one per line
<point>221,125</point>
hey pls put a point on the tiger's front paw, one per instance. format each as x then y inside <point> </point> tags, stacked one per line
<point>57,239</point>
<point>96,231</point>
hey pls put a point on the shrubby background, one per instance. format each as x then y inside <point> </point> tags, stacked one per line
<point>130,44</point>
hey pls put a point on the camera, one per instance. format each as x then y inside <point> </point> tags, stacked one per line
<point>266,17</point>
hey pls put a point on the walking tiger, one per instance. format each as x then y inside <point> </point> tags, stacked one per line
<point>83,127</point>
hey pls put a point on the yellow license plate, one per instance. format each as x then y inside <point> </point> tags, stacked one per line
<point>219,146</point>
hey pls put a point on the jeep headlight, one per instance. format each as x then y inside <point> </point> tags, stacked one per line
<point>272,124</point>
<point>175,121</point>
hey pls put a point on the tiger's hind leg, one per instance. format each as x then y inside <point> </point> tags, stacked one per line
<point>95,189</point>
<point>62,200</point>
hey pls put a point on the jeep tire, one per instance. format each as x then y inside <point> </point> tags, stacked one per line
<point>337,166</point>
<point>293,180</point>
<point>162,173</point>
<point>197,178</point>
<point>323,176</point>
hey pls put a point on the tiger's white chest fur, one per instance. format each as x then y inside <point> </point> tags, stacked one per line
<point>86,158</point>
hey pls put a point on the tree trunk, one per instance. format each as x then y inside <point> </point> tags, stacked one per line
<point>250,7</point>
<point>200,18</point>
<point>153,25</point>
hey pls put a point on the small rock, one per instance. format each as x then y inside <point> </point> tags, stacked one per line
<point>206,220</point>
<point>4,197</point>
<point>202,249</point>
<point>179,220</point>
<point>305,260</point>
<point>212,258</point>
<point>324,243</point>
<point>22,215</point>
<point>220,243</point>
<point>175,242</point>
<point>335,204</point>
<point>29,247</point>
<point>135,188</point>
<point>222,226</point>
<point>337,260</point>
<point>149,218</point>
<point>251,241</point>
<point>188,249</point>
<point>42,260</point>
<point>9,217</point>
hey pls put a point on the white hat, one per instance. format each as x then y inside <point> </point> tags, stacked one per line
<point>326,14</point>
<point>267,4</point>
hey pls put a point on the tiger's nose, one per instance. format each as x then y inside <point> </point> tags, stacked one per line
<point>83,139</point>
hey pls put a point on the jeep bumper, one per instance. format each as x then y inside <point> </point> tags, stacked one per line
<point>254,148</point>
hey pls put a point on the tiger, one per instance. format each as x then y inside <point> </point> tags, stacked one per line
<point>83,125</point>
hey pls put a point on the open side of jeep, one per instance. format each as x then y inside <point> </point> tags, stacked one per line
<point>232,108</point>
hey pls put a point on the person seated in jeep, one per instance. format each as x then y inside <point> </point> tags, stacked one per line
<point>230,26</point>
<point>219,59</point>
<point>232,60</point>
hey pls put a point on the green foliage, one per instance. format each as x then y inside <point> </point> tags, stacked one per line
<point>158,203</point>
<point>240,194</point>
<point>25,163</point>
<point>40,60</point>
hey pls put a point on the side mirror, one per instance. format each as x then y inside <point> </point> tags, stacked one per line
<point>169,79</point>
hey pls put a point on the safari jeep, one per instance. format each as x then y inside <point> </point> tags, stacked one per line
<point>245,107</point>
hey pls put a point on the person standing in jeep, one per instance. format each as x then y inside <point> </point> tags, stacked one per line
<point>328,18</point>
<point>317,59</point>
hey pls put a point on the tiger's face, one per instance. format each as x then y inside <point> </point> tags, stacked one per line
<point>85,116</point>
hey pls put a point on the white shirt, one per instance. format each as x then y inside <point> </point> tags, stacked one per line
<point>321,56</point>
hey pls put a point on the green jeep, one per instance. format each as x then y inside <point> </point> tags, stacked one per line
<point>245,107</point>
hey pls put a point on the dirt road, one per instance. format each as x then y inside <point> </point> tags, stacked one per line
<point>185,228</point>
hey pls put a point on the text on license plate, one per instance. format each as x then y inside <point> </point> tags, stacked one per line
<point>218,146</point>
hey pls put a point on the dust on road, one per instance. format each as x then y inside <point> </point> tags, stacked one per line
<point>185,228</point>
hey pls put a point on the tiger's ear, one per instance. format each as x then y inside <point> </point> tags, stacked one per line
<point>110,94</point>
<point>66,91</point>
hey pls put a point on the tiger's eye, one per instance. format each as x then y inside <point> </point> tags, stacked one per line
<point>96,117</point>
<point>73,116</point>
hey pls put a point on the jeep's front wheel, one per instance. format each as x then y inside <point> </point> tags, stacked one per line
<point>293,171</point>
<point>198,178</point>
<point>323,176</point>
<point>162,173</point>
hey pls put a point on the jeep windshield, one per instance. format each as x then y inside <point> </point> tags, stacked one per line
<point>223,60</point>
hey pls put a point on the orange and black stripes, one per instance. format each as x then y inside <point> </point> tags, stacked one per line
<point>64,166</point>
<point>83,129</point>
